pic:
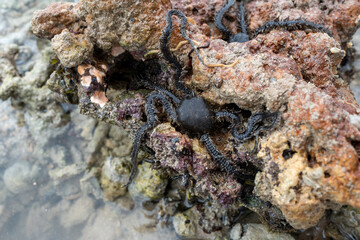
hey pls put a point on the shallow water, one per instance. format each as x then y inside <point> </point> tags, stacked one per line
<point>39,202</point>
<point>46,191</point>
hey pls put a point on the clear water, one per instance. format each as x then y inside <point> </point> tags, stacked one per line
<point>46,191</point>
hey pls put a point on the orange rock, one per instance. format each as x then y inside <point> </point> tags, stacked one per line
<point>52,20</point>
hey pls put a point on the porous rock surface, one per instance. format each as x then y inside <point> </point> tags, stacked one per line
<point>311,162</point>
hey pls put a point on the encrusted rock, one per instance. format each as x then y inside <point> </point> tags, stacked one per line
<point>115,173</point>
<point>187,156</point>
<point>259,231</point>
<point>149,183</point>
<point>72,49</point>
<point>236,232</point>
<point>51,21</point>
<point>20,177</point>
<point>124,24</point>
<point>308,165</point>
<point>318,122</point>
<point>78,213</point>
<point>185,226</point>
<point>189,225</point>
<point>341,18</point>
<point>283,182</point>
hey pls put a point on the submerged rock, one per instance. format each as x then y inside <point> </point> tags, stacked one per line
<point>115,173</point>
<point>184,225</point>
<point>78,213</point>
<point>236,232</point>
<point>20,177</point>
<point>28,91</point>
<point>149,184</point>
<point>259,231</point>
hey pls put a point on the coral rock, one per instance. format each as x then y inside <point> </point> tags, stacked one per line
<point>115,173</point>
<point>51,21</point>
<point>184,155</point>
<point>309,164</point>
<point>149,184</point>
<point>341,18</point>
<point>72,49</point>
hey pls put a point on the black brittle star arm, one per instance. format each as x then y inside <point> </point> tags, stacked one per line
<point>220,159</point>
<point>154,86</point>
<point>216,154</point>
<point>256,125</point>
<point>229,36</point>
<point>151,114</point>
<point>234,119</point>
<point>291,26</point>
<point>165,48</point>
<point>219,17</point>
<point>241,18</point>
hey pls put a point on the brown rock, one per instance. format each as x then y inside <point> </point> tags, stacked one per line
<point>341,18</point>
<point>310,163</point>
<point>72,49</point>
<point>51,21</point>
<point>135,25</point>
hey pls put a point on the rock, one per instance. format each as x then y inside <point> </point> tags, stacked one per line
<point>102,225</point>
<point>169,144</point>
<point>259,231</point>
<point>236,232</point>
<point>39,222</point>
<point>83,125</point>
<point>72,49</point>
<point>113,27</point>
<point>149,184</point>
<point>58,175</point>
<point>78,213</point>
<point>98,137</point>
<point>184,225</point>
<point>30,88</point>
<point>119,143</point>
<point>341,19</point>
<point>115,173</point>
<point>52,20</point>
<point>69,189</point>
<point>313,167</point>
<point>320,107</point>
<point>20,177</point>
<point>126,202</point>
<point>189,225</point>
<point>89,185</point>
<point>4,192</point>
<point>58,155</point>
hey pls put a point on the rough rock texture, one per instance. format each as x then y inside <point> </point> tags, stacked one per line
<point>72,49</point>
<point>309,164</point>
<point>258,231</point>
<point>51,21</point>
<point>115,173</point>
<point>187,156</point>
<point>29,91</point>
<point>341,18</point>
<point>347,221</point>
<point>321,121</point>
<point>149,184</point>
<point>106,22</point>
